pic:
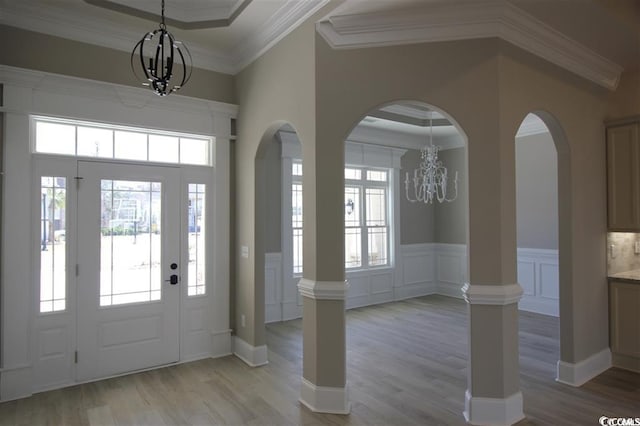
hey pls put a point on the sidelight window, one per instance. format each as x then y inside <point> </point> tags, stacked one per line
<point>53,254</point>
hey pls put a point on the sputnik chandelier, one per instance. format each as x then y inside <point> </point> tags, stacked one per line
<point>164,61</point>
<point>430,178</point>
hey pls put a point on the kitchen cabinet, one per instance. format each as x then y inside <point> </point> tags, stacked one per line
<point>624,324</point>
<point>623,176</point>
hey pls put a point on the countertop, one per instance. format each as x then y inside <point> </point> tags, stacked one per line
<point>627,276</point>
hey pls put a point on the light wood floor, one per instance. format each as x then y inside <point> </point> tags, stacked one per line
<point>406,366</point>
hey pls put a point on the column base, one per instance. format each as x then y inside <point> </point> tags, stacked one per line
<point>324,399</point>
<point>493,411</point>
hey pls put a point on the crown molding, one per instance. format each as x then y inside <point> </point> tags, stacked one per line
<point>285,20</point>
<point>367,134</point>
<point>446,20</point>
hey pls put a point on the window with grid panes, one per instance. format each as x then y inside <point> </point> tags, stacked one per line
<point>366,217</point>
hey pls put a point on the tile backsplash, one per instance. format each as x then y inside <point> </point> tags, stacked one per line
<point>621,256</point>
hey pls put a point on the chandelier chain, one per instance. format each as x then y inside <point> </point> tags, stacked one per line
<point>162,24</point>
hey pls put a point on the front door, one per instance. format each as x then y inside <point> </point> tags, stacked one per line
<point>127,268</point>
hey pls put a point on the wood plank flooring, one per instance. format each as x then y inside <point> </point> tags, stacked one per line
<point>406,366</point>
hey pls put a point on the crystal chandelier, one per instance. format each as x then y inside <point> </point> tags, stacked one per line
<point>430,179</point>
<point>158,51</point>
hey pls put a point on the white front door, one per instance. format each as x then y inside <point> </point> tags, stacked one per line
<point>128,268</point>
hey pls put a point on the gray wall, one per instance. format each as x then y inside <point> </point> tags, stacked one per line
<point>416,219</point>
<point>451,218</point>
<point>537,192</point>
<point>435,223</point>
<point>273,188</point>
<point>57,55</point>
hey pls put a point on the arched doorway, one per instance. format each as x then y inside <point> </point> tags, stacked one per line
<point>409,251</point>
<point>544,242</point>
<point>267,240</point>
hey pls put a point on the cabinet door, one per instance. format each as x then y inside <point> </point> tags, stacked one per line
<point>623,198</point>
<point>624,312</point>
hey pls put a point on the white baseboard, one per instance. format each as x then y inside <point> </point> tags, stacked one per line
<point>323,399</point>
<point>581,372</point>
<point>539,305</point>
<point>254,356</point>
<point>450,289</point>
<point>15,383</point>
<point>414,290</point>
<point>291,310</point>
<point>221,343</point>
<point>493,411</point>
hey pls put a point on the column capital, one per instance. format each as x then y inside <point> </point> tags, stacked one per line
<point>503,294</point>
<point>323,290</point>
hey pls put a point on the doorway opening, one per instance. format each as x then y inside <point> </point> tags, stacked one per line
<point>538,246</point>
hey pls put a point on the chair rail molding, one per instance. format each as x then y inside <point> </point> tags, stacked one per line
<point>479,294</point>
<point>323,290</point>
<point>445,20</point>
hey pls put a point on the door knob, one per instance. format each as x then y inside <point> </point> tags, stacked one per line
<point>173,279</point>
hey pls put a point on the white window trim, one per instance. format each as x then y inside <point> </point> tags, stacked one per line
<point>363,184</point>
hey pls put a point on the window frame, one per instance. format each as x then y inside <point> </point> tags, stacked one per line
<point>114,128</point>
<point>363,184</point>
<point>52,166</point>
<point>296,180</point>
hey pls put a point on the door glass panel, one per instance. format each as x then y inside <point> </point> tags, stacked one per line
<point>53,197</point>
<point>130,268</point>
<point>196,212</point>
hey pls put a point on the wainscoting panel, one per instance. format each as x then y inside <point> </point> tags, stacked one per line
<point>273,287</point>
<point>416,271</point>
<point>451,267</point>
<point>527,276</point>
<point>421,269</point>
<point>538,273</point>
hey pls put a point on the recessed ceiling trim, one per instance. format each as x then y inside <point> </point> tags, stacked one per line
<point>100,32</point>
<point>184,18</point>
<point>446,20</point>
<point>401,118</point>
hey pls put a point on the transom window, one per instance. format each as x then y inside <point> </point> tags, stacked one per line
<point>86,139</point>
